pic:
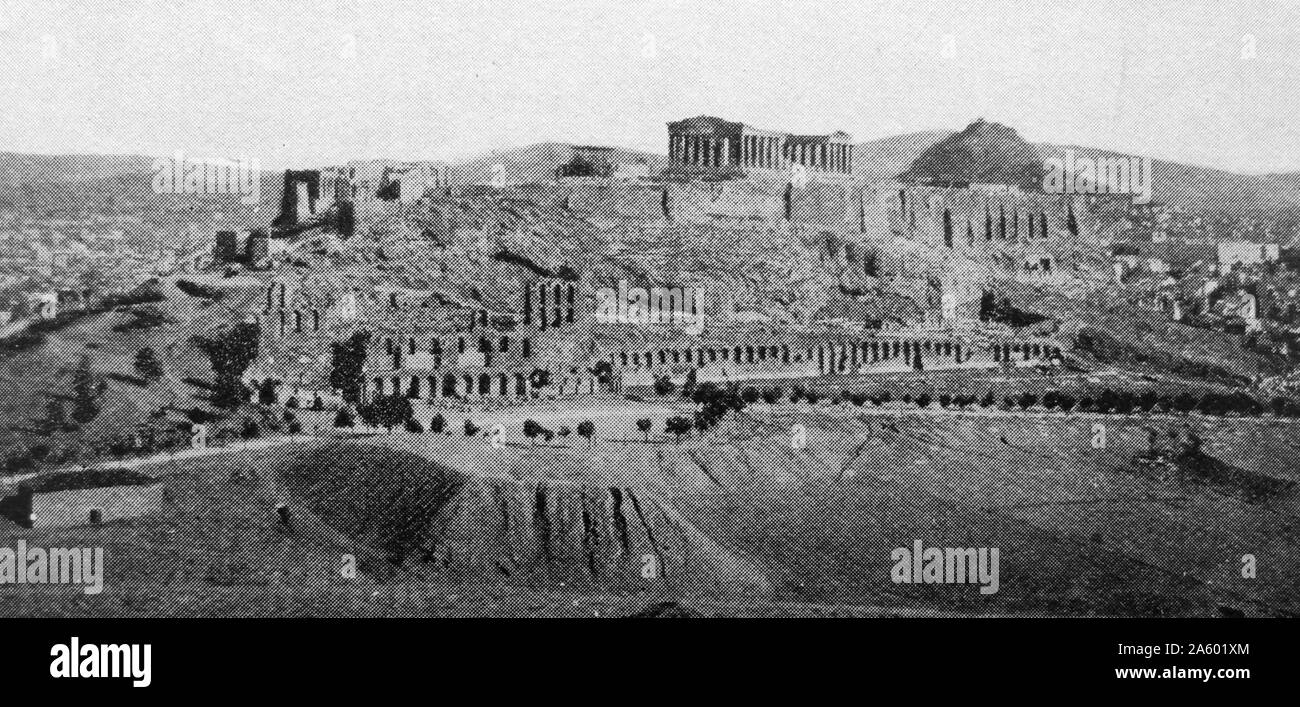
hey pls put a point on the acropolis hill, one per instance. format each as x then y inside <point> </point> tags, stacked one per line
<point>807,269</point>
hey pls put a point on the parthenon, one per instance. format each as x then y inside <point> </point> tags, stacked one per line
<point>706,141</point>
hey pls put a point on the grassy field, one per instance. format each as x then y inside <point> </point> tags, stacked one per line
<point>741,521</point>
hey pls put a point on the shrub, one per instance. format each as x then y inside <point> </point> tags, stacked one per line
<point>677,426</point>
<point>664,385</point>
<point>345,418</point>
<point>437,423</point>
<point>587,429</point>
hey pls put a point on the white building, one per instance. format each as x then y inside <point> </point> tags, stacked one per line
<point>1245,253</point>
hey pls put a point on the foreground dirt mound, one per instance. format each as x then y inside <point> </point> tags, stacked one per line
<point>435,521</point>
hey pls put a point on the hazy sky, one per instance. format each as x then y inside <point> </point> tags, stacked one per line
<point>310,83</point>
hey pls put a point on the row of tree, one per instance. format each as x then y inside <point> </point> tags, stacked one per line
<point>715,401</point>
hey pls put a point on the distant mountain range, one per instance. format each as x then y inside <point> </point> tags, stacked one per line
<point>981,152</point>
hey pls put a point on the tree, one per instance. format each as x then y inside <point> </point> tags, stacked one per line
<point>604,373</point>
<point>146,363</point>
<point>86,389</point>
<point>1027,400</point>
<point>989,400</point>
<point>644,425</point>
<point>923,400</point>
<point>347,363</point>
<point>533,430</point>
<point>437,423</point>
<point>1184,403</point>
<point>750,395</point>
<point>229,392</point>
<point>677,426</point>
<point>1065,401</point>
<point>55,418</point>
<point>388,411</point>
<point>266,392</point>
<point>664,386</point>
<point>772,396</point>
<point>230,353</point>
<point>413,425</point>
<point>688,386</point>
<point>945,400</point>
<point>471,429</point>
<point>539,378</point>
<point>250,429</point>
<point>587,429</point>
